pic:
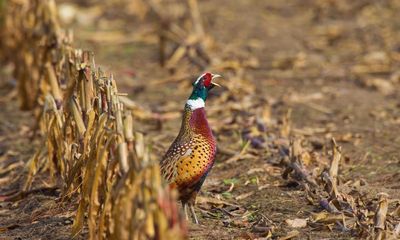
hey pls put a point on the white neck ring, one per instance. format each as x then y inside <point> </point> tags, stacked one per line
<point>195,103</point>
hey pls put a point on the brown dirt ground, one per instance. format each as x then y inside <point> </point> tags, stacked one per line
<point>304,48</point>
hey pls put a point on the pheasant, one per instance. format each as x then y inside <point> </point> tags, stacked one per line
<point>191,156</point>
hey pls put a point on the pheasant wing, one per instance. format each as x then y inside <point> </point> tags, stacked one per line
<point>175,154</point>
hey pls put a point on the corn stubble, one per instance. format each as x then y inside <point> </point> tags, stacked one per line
<point>88,138</point>
<point>346,211</point>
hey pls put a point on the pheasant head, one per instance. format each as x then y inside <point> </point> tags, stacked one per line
<point>201,87</point>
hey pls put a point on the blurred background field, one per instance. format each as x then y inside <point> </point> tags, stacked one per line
<point>297,72</point>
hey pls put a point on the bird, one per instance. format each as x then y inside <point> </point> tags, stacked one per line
<point>191,156</point>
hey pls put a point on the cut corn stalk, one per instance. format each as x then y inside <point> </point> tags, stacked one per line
<point>88,135</point>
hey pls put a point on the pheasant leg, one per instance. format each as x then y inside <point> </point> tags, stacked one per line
<point>185,206</point>
<point>191,206</point>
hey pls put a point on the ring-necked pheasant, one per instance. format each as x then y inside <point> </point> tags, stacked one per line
<point>190,157</point>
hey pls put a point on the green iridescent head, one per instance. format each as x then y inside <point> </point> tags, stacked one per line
<point>201,87</point>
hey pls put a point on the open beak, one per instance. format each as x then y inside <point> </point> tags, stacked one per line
<point>213,84</point>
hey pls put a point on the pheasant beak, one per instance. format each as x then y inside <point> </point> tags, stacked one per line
<point>213,84</point>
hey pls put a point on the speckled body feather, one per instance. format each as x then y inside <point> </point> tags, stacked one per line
<point>191,156</point>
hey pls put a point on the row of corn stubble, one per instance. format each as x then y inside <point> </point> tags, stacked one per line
<point>88,137</point>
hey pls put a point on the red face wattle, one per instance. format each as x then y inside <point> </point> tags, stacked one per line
<point>207,80</point>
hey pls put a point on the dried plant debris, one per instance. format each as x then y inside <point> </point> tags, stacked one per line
<point>284,167</point>
<point>340,208</point>
<point>88,136</point>
<point>38,44</point>
<point>180,31</point>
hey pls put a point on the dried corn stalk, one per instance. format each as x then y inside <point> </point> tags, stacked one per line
<point>149,222</point>
<point>89,140</point>
<point>180,28</point>
<point>33,41</point>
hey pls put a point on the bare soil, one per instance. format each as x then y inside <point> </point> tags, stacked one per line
<point>317,58</point>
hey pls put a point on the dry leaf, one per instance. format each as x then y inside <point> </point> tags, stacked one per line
<point>290,235</point>
<point>296,223</point>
